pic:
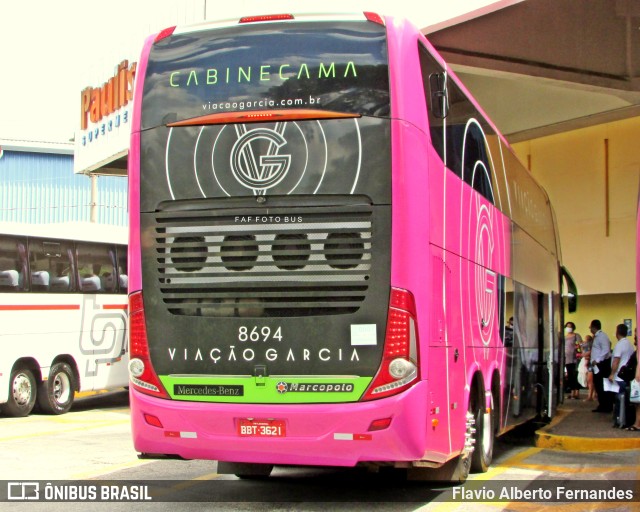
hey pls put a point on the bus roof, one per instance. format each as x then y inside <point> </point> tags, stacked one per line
<point>78,231</point>
<point>274,18</point>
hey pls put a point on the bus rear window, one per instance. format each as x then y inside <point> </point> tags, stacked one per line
<point>313,65</point>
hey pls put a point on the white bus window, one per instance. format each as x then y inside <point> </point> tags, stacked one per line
<point>13,264</point>
<point>51,266</point>
<point>123,277</point>
<point>96,268</point>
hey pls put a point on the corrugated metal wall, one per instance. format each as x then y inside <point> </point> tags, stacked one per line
<point>42,188</point>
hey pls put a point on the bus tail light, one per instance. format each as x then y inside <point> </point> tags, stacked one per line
<point>141,372</point>
<point>152,420</point>
<point>263,116</point>
<point>163,34</point>
<point>266,17</point>
<point>380,424</point>
<point>399,367</point>
<point>374,17</point>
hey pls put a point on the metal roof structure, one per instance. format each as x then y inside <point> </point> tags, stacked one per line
<point>541,67</point>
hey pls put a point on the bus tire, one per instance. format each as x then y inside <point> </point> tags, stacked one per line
<point>484,432</point>
<point>22,393</point>
<point>56,394</point>
<point>454,471</point>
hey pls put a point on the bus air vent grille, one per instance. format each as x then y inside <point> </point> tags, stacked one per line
<point>311,261</point>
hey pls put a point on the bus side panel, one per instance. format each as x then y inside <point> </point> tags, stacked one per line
<point>477,241</point>
<point>102,358</point>
<point>89,329</point>
<point>456,289</point>
<point>445,360</point>
<point>133,171</point>
<point>135,251</point>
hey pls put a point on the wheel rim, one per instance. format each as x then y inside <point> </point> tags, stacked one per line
<point>22,390</point>
<point>61,390</point>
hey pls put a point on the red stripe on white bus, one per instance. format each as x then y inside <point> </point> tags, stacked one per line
<point>39,307</point>
<point>53,307</point>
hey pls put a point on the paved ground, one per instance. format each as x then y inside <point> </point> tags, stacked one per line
<point>577,428</point>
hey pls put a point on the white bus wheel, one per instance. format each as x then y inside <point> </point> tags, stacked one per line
<point>22,393</point>
<point>484,433</point>
<point>56,394</point>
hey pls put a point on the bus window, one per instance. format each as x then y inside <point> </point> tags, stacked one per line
<point>466,134</point>
<point>13,264</point>
<point>461,138</point>
<point>51,266</point>
<point>432,74</point>
<point>96,268</point>
<point>123,278</point>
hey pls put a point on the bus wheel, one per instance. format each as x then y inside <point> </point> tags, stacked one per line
<point>483,435</point>
<point>56,394</point>
<point>22,393</point>
<point>454,471</point>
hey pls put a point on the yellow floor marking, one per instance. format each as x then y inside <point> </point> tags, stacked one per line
<point>491,473</point>
<point>582,469</point>
<point>210,476</point>
<point>518,461</point>
<point>186,484</point>
<point>513,461</point>
<point>585,444</point>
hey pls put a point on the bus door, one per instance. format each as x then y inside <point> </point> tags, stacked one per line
<point>552,350</point>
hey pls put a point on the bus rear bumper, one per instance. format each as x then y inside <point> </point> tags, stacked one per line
<point>314,434</point>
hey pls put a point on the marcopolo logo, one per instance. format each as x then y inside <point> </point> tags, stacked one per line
<point>304,387</point>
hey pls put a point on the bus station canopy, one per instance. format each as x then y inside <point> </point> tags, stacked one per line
<point>540,67</point>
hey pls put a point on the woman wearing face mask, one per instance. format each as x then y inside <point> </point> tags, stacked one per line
<point>572,342</point>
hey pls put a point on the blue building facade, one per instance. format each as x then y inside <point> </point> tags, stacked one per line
<point>38,185</point>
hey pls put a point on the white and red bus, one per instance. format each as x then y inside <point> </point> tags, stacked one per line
<point>63,314</point>
<point>328,241</point>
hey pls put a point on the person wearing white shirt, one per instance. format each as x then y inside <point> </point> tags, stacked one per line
<point>601,360</point>
<point>621,354</point>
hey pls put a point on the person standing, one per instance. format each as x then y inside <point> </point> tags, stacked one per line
<point>601,361</point>
<point>572,340</point>
<point>636,426</point>
<point>586,355</point>
<point>621,354</point>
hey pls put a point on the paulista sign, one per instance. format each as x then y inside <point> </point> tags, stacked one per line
<point>105,121</point>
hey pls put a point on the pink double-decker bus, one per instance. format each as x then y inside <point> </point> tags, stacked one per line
<point>335,258</point>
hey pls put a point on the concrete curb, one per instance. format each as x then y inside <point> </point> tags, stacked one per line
<point>98,392</point>
<point>545,438</point>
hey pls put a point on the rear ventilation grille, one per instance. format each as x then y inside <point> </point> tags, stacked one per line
<point>311,261</point>
<point>239,252</point>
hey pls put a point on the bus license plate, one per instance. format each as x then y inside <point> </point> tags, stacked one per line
<point>261,428</point>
